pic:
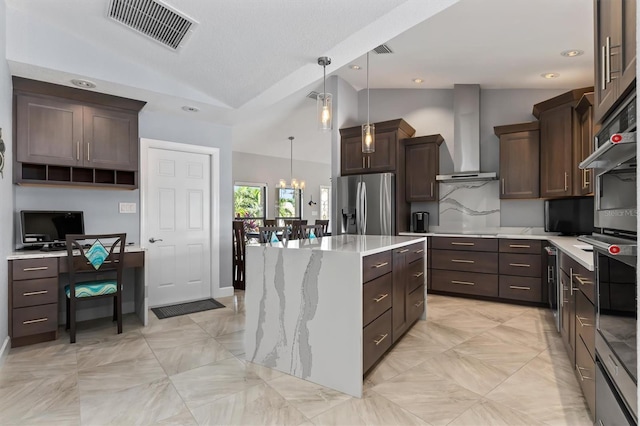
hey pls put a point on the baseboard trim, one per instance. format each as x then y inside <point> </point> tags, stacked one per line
<point>223,292</point>
<point>4,351</point>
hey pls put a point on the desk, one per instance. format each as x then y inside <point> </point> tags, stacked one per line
<point>34,292</point>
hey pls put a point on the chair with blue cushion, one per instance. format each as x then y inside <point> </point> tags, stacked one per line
<point>88,256</point>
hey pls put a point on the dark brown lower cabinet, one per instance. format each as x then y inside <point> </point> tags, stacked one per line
<point>376,339</point>
<point>465,282</point>
<point>586,372</point>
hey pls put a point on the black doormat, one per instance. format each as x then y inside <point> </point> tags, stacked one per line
<point>186,308</point>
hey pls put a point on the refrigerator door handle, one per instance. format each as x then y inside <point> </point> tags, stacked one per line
<point>358,211</point>
<point>364,208</point>
<point>385,208</point>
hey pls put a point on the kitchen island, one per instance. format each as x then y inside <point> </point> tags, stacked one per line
<point>326,309</point>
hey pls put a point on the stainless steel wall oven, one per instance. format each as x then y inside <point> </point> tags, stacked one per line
<point>615,259</point>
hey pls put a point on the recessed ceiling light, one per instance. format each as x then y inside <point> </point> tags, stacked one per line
<point>418,80</point>
<point>550,75</point>
<point>355,67</point>
<point>85,84</point>
<point>190,108</point>
<point>571,53</point>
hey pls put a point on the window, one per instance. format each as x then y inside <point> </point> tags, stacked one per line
<point>288,203</point>
<point>250,204</point>
<point>325,204</point>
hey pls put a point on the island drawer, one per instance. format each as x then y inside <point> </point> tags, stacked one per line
<point>526,265</point>
<point>520,246</point>
<point>376,338</point>
<point>376,265</point>
<point>415,277</point>
<point>486,263</point>
<point>35,292</point>
<point>415,304</point>
<point>27,269</point>
<point>465,282</point>
<point>462,243</point>
<point>585,322</point>
<point>416,252</point>
<point>528,289</point>
<point>376,298</point>
<point>35,320</point>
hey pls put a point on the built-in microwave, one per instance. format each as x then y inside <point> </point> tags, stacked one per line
<point>614,169</point>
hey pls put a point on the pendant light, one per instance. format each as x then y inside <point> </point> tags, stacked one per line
<point>324,99</point>
<point>294,183</point>
<point>368,130</point>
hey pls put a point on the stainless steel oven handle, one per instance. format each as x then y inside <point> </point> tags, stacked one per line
<point>624,249</point>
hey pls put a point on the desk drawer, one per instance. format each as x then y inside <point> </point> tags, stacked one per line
<point>27,269</point>
<point>465,283</point>
<point>415,277</point>
<point>520,246</point>
<point>462,243</point>
<point>376,265</point>
<point>35,292</point>
<point>35,320</point>
<point>524,265</point>
<point>416,251</point>
<point>468,261</point>
<point>521,288</point>
<point>376,339</point>
<point>376,298</point>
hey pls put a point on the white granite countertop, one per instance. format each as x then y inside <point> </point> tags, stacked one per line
<point>37,254</point>
<point>365,245</point>
<point>566,244</point>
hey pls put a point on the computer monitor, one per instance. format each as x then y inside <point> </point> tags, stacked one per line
<point>39,228</point>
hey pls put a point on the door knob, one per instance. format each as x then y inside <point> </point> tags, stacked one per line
<point>153,240</point>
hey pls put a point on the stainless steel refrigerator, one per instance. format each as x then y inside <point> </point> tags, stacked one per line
<point>366,204</point>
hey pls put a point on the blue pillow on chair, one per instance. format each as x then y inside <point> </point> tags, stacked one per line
<point>96,254</point>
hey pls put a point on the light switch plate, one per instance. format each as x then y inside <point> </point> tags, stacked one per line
<point>127,207</point>
<point>314,213</point>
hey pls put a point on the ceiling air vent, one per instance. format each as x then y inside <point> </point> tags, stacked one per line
<point>382,49</point>
<point>313,95</point>
<point>153,19</point>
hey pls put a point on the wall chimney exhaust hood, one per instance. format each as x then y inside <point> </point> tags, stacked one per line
<point>466,136</point>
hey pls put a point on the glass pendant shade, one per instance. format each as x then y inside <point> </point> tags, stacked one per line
<point>368,138</point>
<point>325,112</point>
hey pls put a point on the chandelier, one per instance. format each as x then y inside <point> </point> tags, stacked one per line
<point>293,183</point>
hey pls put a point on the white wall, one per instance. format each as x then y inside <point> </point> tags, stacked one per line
<point>256,168</point>
<point>6,187</point>
<point>430,111</point>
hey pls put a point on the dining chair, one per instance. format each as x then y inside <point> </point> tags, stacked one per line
<point>238,254</point>
<point>272,234</point>
<point>296,229</point>
<point>86,262</point>
<point>270,222</point>
<point>325,225</point>
<point>308,230</point>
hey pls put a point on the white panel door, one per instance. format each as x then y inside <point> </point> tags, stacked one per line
<point>178,225</point>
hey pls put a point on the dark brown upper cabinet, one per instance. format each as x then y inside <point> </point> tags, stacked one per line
<point>559,133</point>
<point>519,160</point>
<point>74,137</point>
<point>422,164</point>
<point>585,144</point>
<point>615,54</point>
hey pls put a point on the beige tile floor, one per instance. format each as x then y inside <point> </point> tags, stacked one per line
<point>471,363</point>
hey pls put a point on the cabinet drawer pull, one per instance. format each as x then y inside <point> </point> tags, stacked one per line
<point>582,378</point>
<point>566,184</point>
<point>418,275</point>
<point>403,251</point>
<point>363,166</point>
<point>583,324</point>
<point>35,321</point>
<point>462,282</point>
<point>520,265</point>
<point>380,265</point>
<point>384,336</point>
<point>379,298</point>
<point>418,251</point>
<point>519,287</point>
<point>368,162</point>
<point>78,151</point>
<point>581,281</point>
<point>502,186</point>
<point>463,244</point>
<point>462,261</point>
<point>417,305</point>
<point>34,293</point>
<point>36,268</point>
<point>88,147</point>
<point>519,246</point>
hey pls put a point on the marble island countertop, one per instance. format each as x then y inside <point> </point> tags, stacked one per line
<point>365,245</point>
<point>569,245</point>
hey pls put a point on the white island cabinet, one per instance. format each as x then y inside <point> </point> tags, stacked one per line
<point>313,305</point>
